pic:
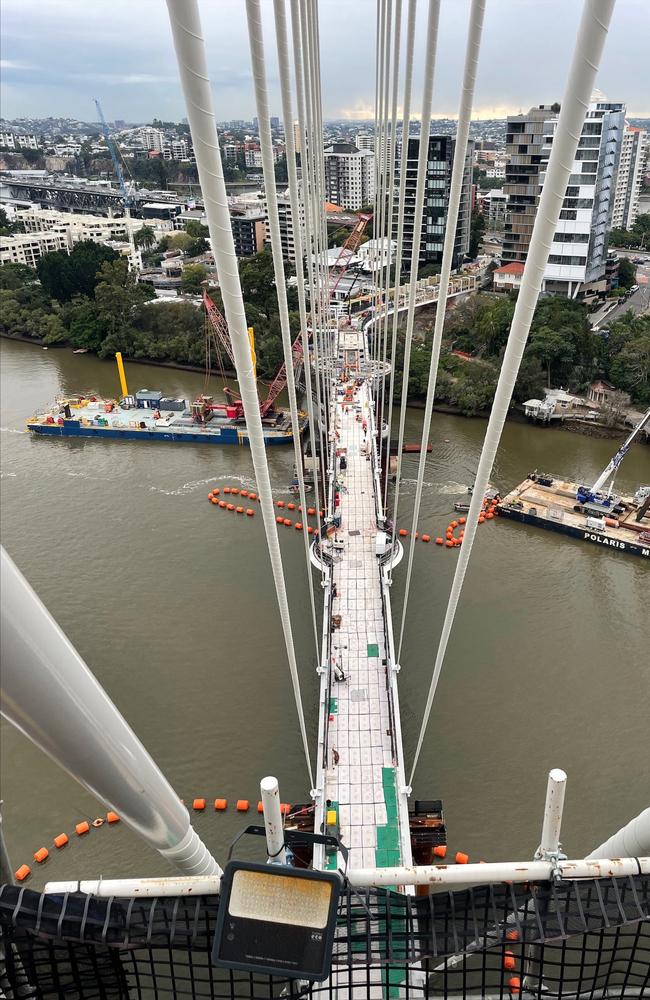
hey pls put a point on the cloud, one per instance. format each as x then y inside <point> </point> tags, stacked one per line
<point>124,79</point>
<point>16,64</point>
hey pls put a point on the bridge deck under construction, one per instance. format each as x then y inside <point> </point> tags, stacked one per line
<point>362,773</point>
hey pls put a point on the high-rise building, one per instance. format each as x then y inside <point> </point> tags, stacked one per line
<point>297,137</point>
<point>577,261</point>
<point>629,177</point>
<point>275,123</point>
<point>286,224</point>
<point>349,175</point>
<point>436,202</point>
<point>364,140</point>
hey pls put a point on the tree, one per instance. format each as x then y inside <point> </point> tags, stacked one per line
<point>258,282</point>
<point>281,171</point>
<point>118,297</point>
<point>178,241</point>
<point>16,276</point>
<point>64,275</point>
<point>32,156</point>
<point>145,238</point>
<point>551,347</point>
<point>7,227</point>
<point>626,273</point>
<point>85,326</point>
<point>477,228</point>
<point>196,229</point>
<point>193,277</point>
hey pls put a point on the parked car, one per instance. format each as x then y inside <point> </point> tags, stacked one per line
<point>634,288</point>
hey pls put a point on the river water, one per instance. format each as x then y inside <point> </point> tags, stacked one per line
<point>170,601</point>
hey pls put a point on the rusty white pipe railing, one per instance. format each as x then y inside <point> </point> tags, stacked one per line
<point>448,877</point>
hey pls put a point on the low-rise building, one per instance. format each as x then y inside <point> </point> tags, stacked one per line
<point>601,392</point>
<point>508,277</point>
<point>28,248</point>
<point>495,204</point>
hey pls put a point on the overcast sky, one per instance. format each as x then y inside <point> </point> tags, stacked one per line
<point>59,54</point>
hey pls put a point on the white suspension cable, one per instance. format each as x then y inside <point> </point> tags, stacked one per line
<point>308,245</point>
<point>477,12</point>
<point>192,64</point>
<point>258,65</point>
<point>406,117</point>
<point>389,231</point>
<point>423,155</point>
<point>381,274</point>
<point>592,33</point>
<point>282,43</point>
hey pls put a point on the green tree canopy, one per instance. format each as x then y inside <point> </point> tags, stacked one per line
<point>65,275</point>
<point>193,278</point>
<point>145,238</point>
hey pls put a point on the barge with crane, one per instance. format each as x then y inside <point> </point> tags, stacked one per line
<point>593,514</point>
<point>148,415</point>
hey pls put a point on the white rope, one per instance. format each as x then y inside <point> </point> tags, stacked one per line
<point>427,94</point>
<point>282,43</point>
<point>383,227</point>
<point>192,64</point>
<point>256,39</point>
<point>406,118</point>
<point>477,12</point>
<point>592,33</point>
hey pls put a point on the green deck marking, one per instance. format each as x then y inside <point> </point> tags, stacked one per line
<point>334,706</point>
<point>373,649</point>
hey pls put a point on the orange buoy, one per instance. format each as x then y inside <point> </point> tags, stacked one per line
<point>403,532</point>
<point>440,851</point>
<point>457,541</point>
<point>61,840</point>
<point>250,512</point>
<point>243,493</point>
<point>230,506</point>
<point>82,828</point>
<point>285,808</point>
<point>41,855</point>
<point>310,530</point>
<point>426,538</point>
<point>461,534</point>
<point>461,859</point>
<point>481,518</point>
<point>489,515</point>
<point>291,506</point>
<point>279,503</point>
<point>220,804</point>
<point>279,520</point>
<point>440,541</point>
<point>242,805</point>
<point>216,492</point>
<point>287,523</point>
<point>462,520</point>
<point>512,935</point>
<point>299,510</point>
<point>112,817</point>
<point>509,961</point>
<point>260,807</point>
<point>214,501</point>
<point>240,510</point>
<point>514,984</point>
<point>454,524</point>
<point>234,491</point>
<point>22,873</point>
<point>298,526</point>
<point>311,510</point>
<point>252,496</point>
<point>210,497</point>
<point>226,489</point>
<point>449,543</point>
<point>222,503</point>
<point>198,804</point>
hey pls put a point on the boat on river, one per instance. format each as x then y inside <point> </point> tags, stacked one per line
<point>147,415</point>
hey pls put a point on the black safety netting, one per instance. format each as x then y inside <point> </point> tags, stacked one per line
<point>582,939</point>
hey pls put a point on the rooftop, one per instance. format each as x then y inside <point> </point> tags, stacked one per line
<point>515,268</point>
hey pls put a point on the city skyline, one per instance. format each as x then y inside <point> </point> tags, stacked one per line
<point>57,56</point>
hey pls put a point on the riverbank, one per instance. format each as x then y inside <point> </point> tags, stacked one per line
<point>415,403</point>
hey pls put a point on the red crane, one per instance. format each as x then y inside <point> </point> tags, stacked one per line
<point>218,324</point>
<point>347,250</point>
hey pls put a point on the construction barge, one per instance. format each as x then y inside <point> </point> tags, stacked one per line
<point>547,502</point>
<point>147,415</point>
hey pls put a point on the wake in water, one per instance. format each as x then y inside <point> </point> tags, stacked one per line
<point>449,487</point>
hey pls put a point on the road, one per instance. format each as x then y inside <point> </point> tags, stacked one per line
<point>639,302</point>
